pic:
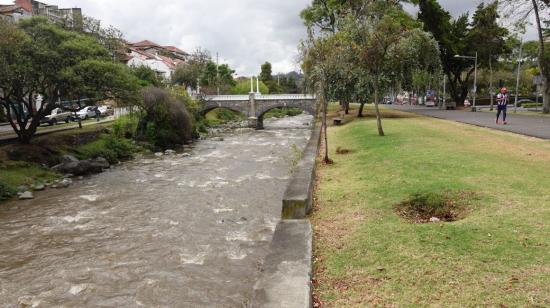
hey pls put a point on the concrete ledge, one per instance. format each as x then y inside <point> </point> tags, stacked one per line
<point>287,270</point>
<point>298,197</point>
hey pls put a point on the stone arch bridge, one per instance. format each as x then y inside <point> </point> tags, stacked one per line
<point>255,106</point>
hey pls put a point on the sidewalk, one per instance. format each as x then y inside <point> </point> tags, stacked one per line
<point>529,125</point>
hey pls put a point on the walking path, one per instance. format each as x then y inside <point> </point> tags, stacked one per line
<point>529,125</point>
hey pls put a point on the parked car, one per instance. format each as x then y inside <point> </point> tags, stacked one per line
<point>106,110</point>
<point>57,115</point>
<point>86,112</point>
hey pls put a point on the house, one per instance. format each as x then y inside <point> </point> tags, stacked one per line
<point>162,59</point>
<point>13,12</point>
<point>69,17</point>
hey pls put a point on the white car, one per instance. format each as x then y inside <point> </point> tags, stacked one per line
<point>86,112</point>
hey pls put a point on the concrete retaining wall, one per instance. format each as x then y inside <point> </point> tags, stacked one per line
<point>287,270</point>
<point>298,197</point>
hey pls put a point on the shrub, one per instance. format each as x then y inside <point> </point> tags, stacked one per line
<point>531,105</point>
<point>110,147</point>
<point>167,121</point>
<point>126,126</point>
<point>6,191</point>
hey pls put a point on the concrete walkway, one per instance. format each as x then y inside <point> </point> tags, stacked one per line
<point>529,125</point>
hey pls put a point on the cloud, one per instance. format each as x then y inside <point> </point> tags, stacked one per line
<point>245,33</point>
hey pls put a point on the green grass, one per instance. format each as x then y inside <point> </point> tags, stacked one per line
<point>16,174</point>
<point>497,254</point>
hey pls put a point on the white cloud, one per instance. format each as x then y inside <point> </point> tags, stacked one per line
<point>245,33</point>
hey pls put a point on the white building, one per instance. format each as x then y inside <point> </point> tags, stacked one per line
<point>161,59</point>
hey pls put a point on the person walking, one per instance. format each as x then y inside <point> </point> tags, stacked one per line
<point>502,105</point>
<point>97,114</point>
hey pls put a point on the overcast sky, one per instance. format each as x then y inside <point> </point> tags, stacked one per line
<point>245,33</point>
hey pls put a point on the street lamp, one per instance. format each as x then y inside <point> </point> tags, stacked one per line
<point>475,76</point>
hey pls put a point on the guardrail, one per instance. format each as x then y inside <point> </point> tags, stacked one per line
<point>259,97</point>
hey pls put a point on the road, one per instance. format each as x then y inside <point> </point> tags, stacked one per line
<point>529,125</point>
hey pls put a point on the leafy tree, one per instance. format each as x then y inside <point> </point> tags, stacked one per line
<point>40,63</point>
<point>147,77</point>
<point>520,11</point>
<point>189,73</point>
<point>459,37</point>
<point>243,87</point>
<point>215,76</point>
<point>266,72</point>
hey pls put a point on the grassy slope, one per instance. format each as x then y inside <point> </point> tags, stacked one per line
<point>367,255</point>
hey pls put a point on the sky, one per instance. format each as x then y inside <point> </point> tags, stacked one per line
<point>245,33</point>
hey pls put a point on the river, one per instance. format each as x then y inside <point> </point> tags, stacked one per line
<point>171,231</point>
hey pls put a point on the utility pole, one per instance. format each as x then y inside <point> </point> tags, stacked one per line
<point>518,75</point>
<point>218,73</point>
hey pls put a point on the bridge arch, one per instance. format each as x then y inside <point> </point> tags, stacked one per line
<point>240,107</point>
<point>266,106</point>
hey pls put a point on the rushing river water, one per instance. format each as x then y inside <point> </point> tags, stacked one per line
<point>171,231</point>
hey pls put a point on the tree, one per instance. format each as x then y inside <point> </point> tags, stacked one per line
<point>146,76</point>
<point>460,37</point>
<point>520,11</point>
<point>243,87</point>
<point>189,73</point>
<point>41,63</point>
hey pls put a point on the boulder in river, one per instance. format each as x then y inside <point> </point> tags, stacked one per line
<point>83,167</point>
<point>169,152</point>
<point>26,196</point>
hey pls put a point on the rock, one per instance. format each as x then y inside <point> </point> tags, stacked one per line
<point>26,196</point>
<point>158,154</point>
<point>380,269</point>
<point>80,178</point>
<point>39,187</point>
<point>22,188</point>
<point>82,167</point>
<point>68,159</point>
<point>435,219</point>
<point>169,152</point>
<point>69,175</point>
<point>185,155</point>
<point>64,183</point>
<point>217,139</point>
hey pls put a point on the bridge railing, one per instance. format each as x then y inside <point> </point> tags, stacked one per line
<point>264,97</point>
<point>284,96</point>
<point>226,97</point>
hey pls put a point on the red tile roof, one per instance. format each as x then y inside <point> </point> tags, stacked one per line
<point>25,4</point>
<point>145,43</point>
<point>175,49</point>
<point>9,8</point>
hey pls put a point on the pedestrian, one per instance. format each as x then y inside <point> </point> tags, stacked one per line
<point>97,114</point>
<point>502,105</point>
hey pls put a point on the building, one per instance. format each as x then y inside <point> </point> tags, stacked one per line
<point>13,12</point>
<point>67,17</point>
<point>162,59</point>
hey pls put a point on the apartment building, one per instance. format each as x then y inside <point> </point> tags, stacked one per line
<point>67,17</point>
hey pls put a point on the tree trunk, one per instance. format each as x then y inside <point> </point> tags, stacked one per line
<point>378,116</point>
<point>360,113</point>
<point>326,160</point>
<point>543,63</point>
<point>346,106</point>
<point>491,81</point>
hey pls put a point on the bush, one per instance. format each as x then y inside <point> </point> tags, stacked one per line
<point>167,122</point>
<point>531,105</point>
<point>110,147</point>
<point>126,126</point>
<point>6,191</point>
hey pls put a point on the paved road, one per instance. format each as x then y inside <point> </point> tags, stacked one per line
<point>529,125</point>
<point>47,130</point>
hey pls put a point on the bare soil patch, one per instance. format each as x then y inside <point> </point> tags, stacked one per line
<point>435,206</point>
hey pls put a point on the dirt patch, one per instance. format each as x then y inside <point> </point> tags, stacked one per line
<point>434,207</point>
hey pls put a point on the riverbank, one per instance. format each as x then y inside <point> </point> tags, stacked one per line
<point>369,250</point>
<point>28,168</point>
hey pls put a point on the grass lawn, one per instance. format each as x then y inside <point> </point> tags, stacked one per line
<point>367,255</point>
